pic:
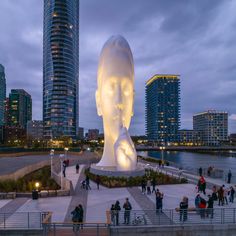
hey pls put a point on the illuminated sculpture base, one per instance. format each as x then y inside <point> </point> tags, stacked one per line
<point>112,171</point>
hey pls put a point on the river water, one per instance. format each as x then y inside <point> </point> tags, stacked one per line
<point>192,161</point>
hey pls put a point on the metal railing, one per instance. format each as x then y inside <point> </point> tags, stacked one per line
<point>23,220</point>
<point>172,217</point>
<point>92,229</point>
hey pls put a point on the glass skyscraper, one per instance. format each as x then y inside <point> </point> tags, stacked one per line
<point>20,108</point>
<point>2,93</point>
<point>60,68</point>
<point>162,108</point>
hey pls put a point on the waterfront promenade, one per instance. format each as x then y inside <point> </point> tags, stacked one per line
<point>97,202</point>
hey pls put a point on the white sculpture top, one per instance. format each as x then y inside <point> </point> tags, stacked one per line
<point>114,99</point>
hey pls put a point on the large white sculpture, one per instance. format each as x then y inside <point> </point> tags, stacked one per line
<point>114,99</point>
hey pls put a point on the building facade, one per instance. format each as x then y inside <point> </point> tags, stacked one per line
<point>60,68</point>
<point>93,134</point>
<point>188,137</point>
<point>212,127</point>
<point>81,133</point>
<point>20,108</point>
<point>35,129</point>
<point>162,103</point>
<point>2,94</point>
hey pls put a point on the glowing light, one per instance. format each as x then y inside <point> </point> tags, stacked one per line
<point>114,100</point>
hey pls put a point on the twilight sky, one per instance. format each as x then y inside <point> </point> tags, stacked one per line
<point>193,38</point>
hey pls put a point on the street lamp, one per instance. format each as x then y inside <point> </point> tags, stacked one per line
<point>51,155</point>
<point>66,150</point>
<point>162,158</point>
<point>37,185</point>
<point>61,157</point>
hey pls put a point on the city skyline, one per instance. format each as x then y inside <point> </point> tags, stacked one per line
<point>193,39</point>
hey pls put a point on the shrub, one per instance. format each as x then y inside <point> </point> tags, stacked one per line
<point>27,183</point>
<point>113,182</point>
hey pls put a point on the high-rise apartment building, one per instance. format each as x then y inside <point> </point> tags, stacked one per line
<point>20,108</point>
<point>60,68</point>
<point>212,127</point>
<point>80,133</point>
<point>2,94</point>
<point>93,134</point>
<point>162,108</point>
<point>35,129</point>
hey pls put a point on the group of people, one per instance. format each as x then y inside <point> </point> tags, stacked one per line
<point>204,207</point>
<point>85,184</point>
<point>224,195</point>
<point>115,209</point>
<point>77,217</point>
<point>148,186</point>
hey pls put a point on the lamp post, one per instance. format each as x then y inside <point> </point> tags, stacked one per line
<point>66,150</point>
<point>61,157</point>
<point>51,155</point>
<point>162,158</point>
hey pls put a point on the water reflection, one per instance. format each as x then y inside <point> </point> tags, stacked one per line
<point>192,161</point>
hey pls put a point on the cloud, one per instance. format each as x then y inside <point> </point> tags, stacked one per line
<point>195,39</point>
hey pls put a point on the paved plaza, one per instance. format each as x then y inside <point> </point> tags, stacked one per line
<point>97,202</point>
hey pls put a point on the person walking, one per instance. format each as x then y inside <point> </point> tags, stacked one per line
<point>229,177</point>
<point>231,194</point>
<point>64,169</point>
<point>75,218</point>
<point>81,216</point>
<point>98,180</point>
<point>202,185</point>
<point>202,207</point>
<point>183,209</point>
<point>143,185</point>
<point>77,168</point>
<point>112,211</point>
<point>225,195</point>
<point>221,196</point>
<point>159,202</point>
<point>197,202</point>
<point>200,171</point>
<point>127,206</point>
<point>149,187</point>
<point>117,211</point>
<point>210,205</point>
<point>214,193</point>
<point>153,185</point>
<point>87,183</point>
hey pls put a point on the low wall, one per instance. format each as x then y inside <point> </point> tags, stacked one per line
<point>186,230</point>
<point>67,187</point>
<point>21,232</point>
<point>66,184</point>
<point>25,170</point>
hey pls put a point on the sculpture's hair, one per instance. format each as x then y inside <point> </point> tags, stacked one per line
<point>115,58</point>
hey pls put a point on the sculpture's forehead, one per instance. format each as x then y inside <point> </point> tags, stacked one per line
<point>116,79</point>
<point>116,60</point>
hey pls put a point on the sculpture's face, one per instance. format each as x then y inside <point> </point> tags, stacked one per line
<point>116,103</point>
<point>115,93</point>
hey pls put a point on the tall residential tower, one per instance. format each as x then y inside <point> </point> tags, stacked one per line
<point>162,108</point>
<point>60,68</point>
<point>2,93</point>
<point>20,108</point>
